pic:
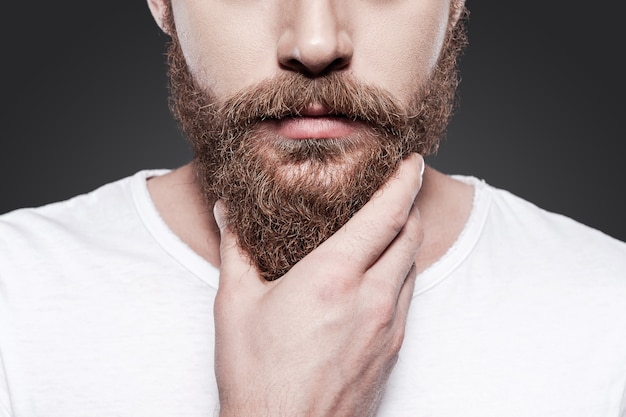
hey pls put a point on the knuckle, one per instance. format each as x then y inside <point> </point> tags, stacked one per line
<point>382,312</point>
<point>397,340</point>
<point>396,218</point>
<point>334,288</point>
<point>333,282</point>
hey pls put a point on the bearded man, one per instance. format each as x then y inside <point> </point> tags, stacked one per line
<point>306,262</point>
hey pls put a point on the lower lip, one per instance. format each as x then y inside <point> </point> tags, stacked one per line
<point>325,127</point>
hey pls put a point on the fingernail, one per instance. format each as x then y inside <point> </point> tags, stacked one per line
<point>218,213</point>
<point>423,163</point>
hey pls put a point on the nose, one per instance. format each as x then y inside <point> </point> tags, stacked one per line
<point>315,39</point>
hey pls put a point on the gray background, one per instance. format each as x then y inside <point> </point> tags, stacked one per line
<point>84,94</point>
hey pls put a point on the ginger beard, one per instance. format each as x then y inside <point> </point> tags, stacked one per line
<point>284,197</point>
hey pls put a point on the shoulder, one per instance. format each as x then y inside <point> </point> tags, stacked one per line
<point>528,238</point>
<point>516,215</point>
<point>81,209</point>
<point>109,211</point>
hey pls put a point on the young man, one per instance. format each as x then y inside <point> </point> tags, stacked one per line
<point>307,263</point>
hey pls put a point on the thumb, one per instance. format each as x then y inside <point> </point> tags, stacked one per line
<point>235,265</point>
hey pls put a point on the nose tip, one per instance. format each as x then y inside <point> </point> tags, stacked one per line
<point>314,56</point>
<point>315,42</point>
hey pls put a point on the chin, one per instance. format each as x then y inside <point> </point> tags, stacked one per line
<point>315,162</point>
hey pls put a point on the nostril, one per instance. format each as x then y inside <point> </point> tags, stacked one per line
<point>338,64</point>
<point>296,64</point>
<point>311,71</point>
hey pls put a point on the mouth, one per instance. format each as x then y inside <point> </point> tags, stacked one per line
<point>315,122</point>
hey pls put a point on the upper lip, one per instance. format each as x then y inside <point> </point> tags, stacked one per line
<point>315,110</point>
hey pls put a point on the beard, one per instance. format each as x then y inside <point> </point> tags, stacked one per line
<point>284,197</point>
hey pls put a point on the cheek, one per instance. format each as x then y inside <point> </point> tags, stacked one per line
<point>401,52</point>
<point>223,56</point>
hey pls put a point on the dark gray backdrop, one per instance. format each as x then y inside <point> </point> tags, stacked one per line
<point>84,95</point>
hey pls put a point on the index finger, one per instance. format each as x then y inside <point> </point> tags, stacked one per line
<point>235,266</point>
<point>362,240</point>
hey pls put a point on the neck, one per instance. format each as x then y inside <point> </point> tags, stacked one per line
<point>444,203</point>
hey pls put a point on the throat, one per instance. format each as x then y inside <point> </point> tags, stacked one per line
<point>445,206</point>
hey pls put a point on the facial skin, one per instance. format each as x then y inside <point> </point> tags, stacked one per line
<point>231,45</point>
<point>300,111</point>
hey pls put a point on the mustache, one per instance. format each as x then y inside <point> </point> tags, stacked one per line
<point>287,95</point>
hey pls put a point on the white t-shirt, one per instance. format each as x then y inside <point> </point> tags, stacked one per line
<point>105,312</point>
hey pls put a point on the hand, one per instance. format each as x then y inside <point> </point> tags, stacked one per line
<point>323,339</point>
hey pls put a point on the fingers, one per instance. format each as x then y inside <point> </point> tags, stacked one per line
<point>406,295</point>
<point>235,266</point>
<point>383,235</point>
<point>398,258</point>
<point>364,238</point>
<point>401,311</point>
